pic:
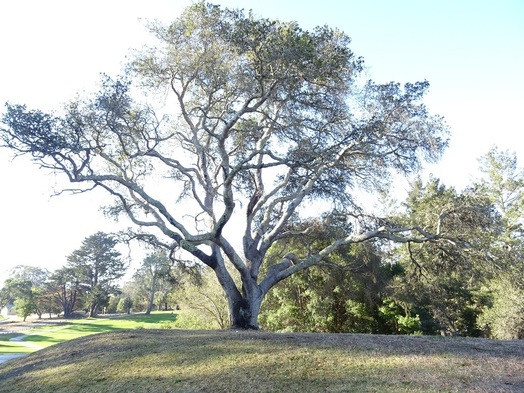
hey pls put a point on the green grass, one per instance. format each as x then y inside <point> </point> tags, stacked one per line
<point>11,348</point>
<point>51,335</point>
<point>133,355</point>
<point>227,361</point>
<point>7,347</point>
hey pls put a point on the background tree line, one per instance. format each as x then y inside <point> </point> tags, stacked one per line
<point>470,285</point>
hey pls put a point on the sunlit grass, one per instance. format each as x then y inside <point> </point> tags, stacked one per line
<point>51,335</point>
<point>129,357</point>
<point>7,347</point>
<point>226,361</point>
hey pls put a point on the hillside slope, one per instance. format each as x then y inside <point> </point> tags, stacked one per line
<point>228,361</point>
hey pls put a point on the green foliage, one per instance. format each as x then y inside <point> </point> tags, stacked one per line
<point>24,307</point>
<point>95,299</point>
<point>503,184</point>
<point>5,297</point>
<point>65,287</point>
<point>399,320</point>
<point>167,325</point>
<point>46,301</point>
<point>112,305</point>
<point>340,296</point>
<point>504,317</point>
<point>153,282</point>
<point>96,266</point>
<point>124,305</point>
<point>445,276</point>
<point>470,282</point>
<point>193,319</point>
<point>27,289</point>
<point>201,300</point>
<point>21,292</point>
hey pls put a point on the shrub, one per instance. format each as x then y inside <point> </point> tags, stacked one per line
<point>505,318</point>
<point>125,304</point>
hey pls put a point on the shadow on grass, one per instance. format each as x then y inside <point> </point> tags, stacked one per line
<point>14,348</point>
<point>72,332</point>
<point>8,336</point>
<point>151,319</point>
<point>91,326</point>
<point>190,361</point>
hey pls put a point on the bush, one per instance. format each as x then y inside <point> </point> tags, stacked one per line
<point>409,325</point>
<point>505,318</point>
<point>168,325</point>
<point>399,320</point>
<point>112,306</point>
<point>192,320</point>
<point>125,304</point>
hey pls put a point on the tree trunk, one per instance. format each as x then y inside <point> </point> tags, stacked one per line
<point>244,313</point>
<point>151,297</point>
<point>68,303</point>
<point>244,309</point>
<point>67,310</point>
<point>92,310</point>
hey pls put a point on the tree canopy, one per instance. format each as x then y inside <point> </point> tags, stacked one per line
<point>96,266</point>
<point>242,124</point>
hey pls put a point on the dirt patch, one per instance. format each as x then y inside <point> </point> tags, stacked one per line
<point>20,326</point>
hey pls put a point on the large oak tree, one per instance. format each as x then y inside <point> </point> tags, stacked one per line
<point>264,120</point>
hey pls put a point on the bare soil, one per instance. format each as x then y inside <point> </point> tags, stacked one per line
<point>19,326</point>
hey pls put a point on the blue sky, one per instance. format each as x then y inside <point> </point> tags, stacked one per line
<point>471,52</point>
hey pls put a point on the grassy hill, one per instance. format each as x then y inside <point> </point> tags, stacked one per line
<point>168,360</point>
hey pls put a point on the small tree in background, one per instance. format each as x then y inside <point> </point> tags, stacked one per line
<point>125,305</point>
<point>32,282</point>
<point>20,291</point>
<point>153,276</point>
<point>67,290</point>
<point>96,266</point>
<point>203,305</point>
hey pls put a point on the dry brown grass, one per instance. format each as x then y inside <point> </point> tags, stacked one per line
<point>229,361</point>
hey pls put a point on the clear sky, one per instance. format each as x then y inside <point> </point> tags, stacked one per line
<point>471,52</point>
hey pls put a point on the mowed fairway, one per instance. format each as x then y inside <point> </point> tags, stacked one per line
<point>64,331</point>
<point>169,360</point>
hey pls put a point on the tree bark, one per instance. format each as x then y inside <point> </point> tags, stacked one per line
<point>244,308</point>
<point>244,312</point>
<point>151,296</point>
<point>92,310</point>
<point>68,303</point>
